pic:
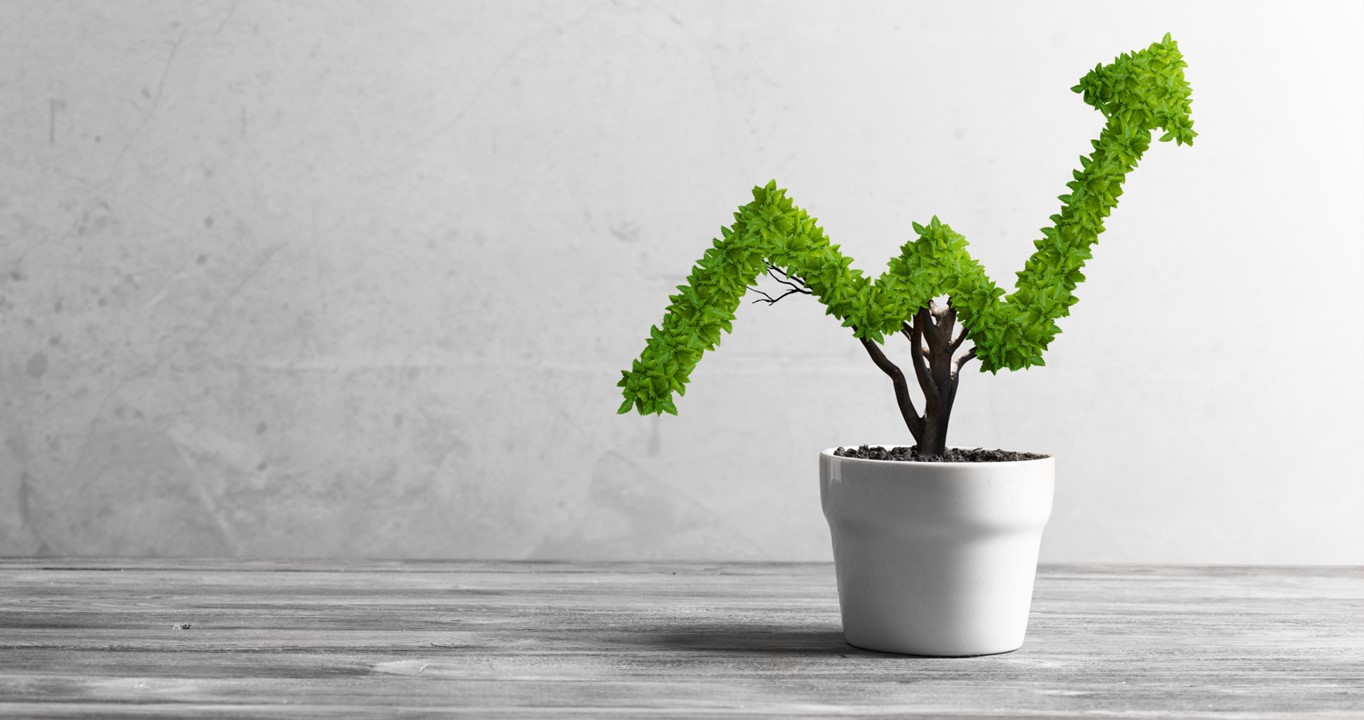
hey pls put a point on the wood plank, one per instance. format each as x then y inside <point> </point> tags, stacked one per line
<point>103,638</point>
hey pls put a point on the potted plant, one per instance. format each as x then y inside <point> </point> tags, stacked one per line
<point>935,547</point>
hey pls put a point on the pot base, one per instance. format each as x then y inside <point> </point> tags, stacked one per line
<point>918,655</point>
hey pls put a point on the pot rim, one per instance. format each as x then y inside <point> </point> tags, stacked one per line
<point>829,453</point>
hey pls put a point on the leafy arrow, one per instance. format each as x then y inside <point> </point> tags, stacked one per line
<point>1138,92</point>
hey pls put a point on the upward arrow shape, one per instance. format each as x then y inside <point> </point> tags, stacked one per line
<point>1138,93</point>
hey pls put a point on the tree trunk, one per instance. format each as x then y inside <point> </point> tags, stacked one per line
<point>932,348</point>
<point>934,441</point>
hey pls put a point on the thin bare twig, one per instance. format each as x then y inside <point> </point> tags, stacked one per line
<point>772,300</point>
<point>785,279</point>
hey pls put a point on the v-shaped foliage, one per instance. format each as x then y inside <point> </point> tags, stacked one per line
<point>1137,93</point>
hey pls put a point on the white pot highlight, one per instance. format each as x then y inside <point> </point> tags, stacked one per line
<point>935,558</point>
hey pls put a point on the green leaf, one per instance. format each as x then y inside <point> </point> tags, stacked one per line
<point>1138,93</point>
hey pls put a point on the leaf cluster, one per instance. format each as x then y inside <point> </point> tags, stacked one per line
<point>1145,89</point>
<point>1137,93</point>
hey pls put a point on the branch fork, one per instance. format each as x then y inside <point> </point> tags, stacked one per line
<point>933,355</point>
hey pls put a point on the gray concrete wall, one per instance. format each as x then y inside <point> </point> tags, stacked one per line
<point>344,279</point>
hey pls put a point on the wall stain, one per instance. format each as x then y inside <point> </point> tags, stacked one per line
<point>155,105</point>
<point>37,365</point>
<point>55,106</point>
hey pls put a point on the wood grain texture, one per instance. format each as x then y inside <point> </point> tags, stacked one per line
<point>220,638</point>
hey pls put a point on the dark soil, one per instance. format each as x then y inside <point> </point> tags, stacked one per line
<point>962,455</point>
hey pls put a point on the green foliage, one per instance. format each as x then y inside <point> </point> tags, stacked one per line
<point>1137,93</point>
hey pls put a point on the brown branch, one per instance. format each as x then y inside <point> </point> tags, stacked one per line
<point>930,390</point>
<point>902,398</point>
<point>968,357</point>
<point>945,317</point>
<point>939,337</point>
<point>907,330</point>
<point>960,339</point>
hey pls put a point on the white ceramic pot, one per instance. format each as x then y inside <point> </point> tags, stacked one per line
<point>935,558</point>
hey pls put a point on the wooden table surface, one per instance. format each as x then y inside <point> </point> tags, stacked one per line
<point>219,638</point>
